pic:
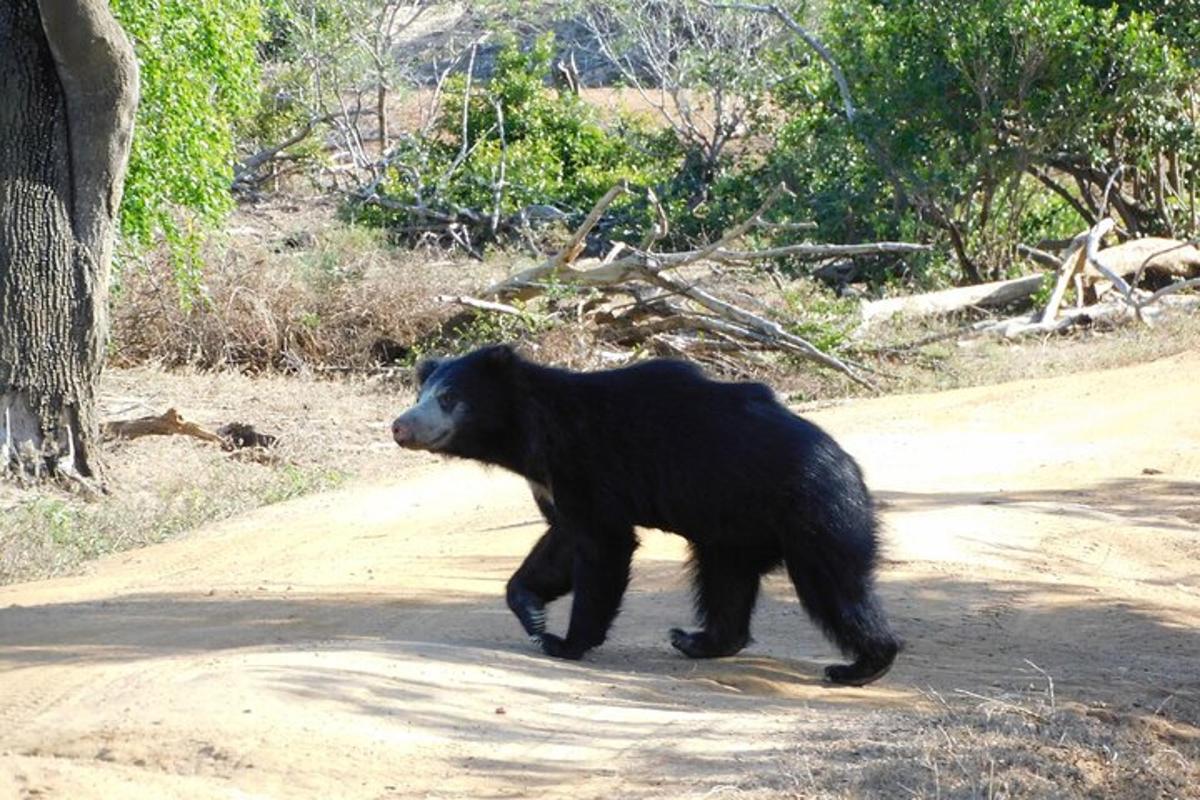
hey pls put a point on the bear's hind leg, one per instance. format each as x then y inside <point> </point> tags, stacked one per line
<point>545,575</point>
<point>726,585</point>
<point>844,603</point>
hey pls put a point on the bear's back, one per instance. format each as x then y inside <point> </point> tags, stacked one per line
<point>678,449</point>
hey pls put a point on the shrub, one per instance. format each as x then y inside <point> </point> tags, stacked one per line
<point>199,77</point>
<point>972,108</point>
<point>524,144</point>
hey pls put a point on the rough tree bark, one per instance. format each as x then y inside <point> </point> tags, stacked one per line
<point>68,92</point>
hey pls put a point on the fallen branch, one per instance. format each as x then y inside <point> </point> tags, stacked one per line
<point>1039,256</point>
<point>233,436</point>
<point>625,266</point>
<point>169,423</point>
<point>805,251</point>
<point>1155,255</point>
<point>527,283</point>
<point>761,326</point>
<point>1138,304</point>
<point>1107,312</point>
<point>245,170</point>
<point>1073,264</point>
<point>481,305</point>
<point>575,243</point>
<point>948,301</point>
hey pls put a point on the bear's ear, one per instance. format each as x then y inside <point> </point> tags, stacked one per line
<point>426,368</point>
<point>500,355</point>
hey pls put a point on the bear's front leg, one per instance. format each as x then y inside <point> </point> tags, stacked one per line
<point>600,576</point>
<point>545,575</point>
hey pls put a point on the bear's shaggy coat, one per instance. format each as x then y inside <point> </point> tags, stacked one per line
<point>748,483</point>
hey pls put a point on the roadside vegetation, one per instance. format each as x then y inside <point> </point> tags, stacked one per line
<point>326,192</point>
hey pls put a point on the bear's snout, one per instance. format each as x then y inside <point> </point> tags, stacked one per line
<point>402,433</point>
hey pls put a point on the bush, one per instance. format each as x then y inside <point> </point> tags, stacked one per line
<point>967,104</point>
<point>525,145</point>
<point>199,78</point>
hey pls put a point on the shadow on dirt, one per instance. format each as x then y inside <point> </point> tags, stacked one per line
<point>1147,501</point>
<point>459,671</point>
<point>959,634</point>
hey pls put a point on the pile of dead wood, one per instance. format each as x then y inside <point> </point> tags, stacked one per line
<point>659,304</point>
<point>639,296</point>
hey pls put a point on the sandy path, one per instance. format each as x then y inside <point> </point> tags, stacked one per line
<point>355,644</point>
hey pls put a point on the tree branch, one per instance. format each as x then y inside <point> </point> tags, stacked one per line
<point>1044,178</point>
<point>812,41</point>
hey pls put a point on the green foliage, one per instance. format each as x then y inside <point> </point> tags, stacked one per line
<point>292,481</point>
<point>49,535</point>
<point>1178,20</point>
<point>963,101</point>
<point>1041,298</point>
<point>199,79</point>
<point>819,316</point>
<point>541,146</point>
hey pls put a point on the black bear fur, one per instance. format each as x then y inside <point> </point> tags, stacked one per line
<point>748,483</point>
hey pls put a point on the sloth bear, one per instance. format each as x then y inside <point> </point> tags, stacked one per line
<point>749,484</point>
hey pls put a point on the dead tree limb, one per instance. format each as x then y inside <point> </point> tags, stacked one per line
<point>170,423</point>
<point>624,265</point>
<point>1152,254</point>
<point>1103,269</point>
<point>520,285</point>
<point>1107,312</point>
<point>1039,256</point>
<point>575,244</point>
<point>764,327</point>
<point>803,251</point>
<point>948,301</point>
<point>1073,263</point>
<point>482,305</point>
<point>244,171</point>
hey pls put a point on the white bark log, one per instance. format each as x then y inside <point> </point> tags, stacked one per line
<point>949,301</point>
<point>1138,256</point>
<point>1082,248</point>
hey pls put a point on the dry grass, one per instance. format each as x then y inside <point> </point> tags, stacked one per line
<point>291,290</point>
<point>990,745</point>
<point>296,293</point>
<point>951,364</point>
<point>276,308</point>
<point>162,487</point>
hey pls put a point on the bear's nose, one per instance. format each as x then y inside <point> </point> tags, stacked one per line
<point>401,432</point>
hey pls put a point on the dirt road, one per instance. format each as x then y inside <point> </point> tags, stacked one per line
<point>356,644</point>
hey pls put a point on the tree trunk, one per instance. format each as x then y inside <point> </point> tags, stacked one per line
<point>68,91</point>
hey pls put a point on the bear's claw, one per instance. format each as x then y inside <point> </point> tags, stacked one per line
<point>557,647</point>
<point>530,611</point>
<point>701,645</point>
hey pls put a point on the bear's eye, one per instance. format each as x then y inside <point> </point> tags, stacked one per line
<point>446,401</point>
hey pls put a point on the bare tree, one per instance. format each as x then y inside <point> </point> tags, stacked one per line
<point>378,24</point>
<point>701,68</point>
<point>69,82</point>
<point>343,66</point>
